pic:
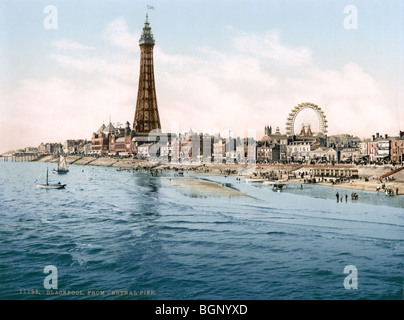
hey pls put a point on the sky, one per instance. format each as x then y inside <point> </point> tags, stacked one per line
<point>219,65</point>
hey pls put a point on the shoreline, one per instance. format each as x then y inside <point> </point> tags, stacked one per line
<point>360,185</point>
<point>240,170</point>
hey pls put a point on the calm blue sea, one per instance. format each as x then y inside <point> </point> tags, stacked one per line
<point>128,235</point>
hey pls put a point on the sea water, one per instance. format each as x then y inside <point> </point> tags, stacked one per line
<point>125,234</point>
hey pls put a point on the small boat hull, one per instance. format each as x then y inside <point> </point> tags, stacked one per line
<point>60,171</point>
<point>50,186</point>
<point>47,185</point>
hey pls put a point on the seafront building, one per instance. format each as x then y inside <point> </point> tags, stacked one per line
<point>299,151</point>
<point>397,149</point>
<point>343,140</point>
<point>268,152</point>
<point>219,149</point>
<point>323,154</point>
<point>78,146</point>
<point>50,148</point>
<point>379,148</point>
<point>348,154</point>
<point>100,139</point>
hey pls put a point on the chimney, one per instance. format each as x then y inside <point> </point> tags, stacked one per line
<point>373,137</point>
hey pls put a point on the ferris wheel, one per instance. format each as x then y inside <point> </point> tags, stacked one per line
<point>308,117</point>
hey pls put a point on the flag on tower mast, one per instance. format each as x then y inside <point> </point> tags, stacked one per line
<point>150,7</point>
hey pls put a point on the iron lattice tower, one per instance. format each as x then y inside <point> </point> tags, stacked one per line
<point>146,115</point>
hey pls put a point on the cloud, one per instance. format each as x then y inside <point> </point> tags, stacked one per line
<point>67,44</point>
<point>57,109</point>
<point>119,67</point>
<point>117,33</point>
<point>270,46</point>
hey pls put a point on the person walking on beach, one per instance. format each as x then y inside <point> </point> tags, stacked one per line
<point>346,198</point>
<point>337,195</point>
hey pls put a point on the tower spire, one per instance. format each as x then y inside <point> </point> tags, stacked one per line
<point>146,115</point>
<point>147,35</point>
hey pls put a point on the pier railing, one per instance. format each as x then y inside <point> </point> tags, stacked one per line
<point>19,157</point>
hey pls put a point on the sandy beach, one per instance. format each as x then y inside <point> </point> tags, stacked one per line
<point>202,188</point>
<point>362,185</point>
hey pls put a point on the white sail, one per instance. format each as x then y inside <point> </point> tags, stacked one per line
<point>62,164</point>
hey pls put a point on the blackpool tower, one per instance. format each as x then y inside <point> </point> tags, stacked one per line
<point>146,115</point>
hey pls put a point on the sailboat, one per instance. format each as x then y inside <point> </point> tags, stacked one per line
<point>62,165</point>
<point>50,186</point>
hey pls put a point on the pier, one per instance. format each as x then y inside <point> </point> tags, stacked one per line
<point>19,157</point>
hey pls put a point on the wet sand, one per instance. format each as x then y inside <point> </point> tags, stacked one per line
<point>197,187</point>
